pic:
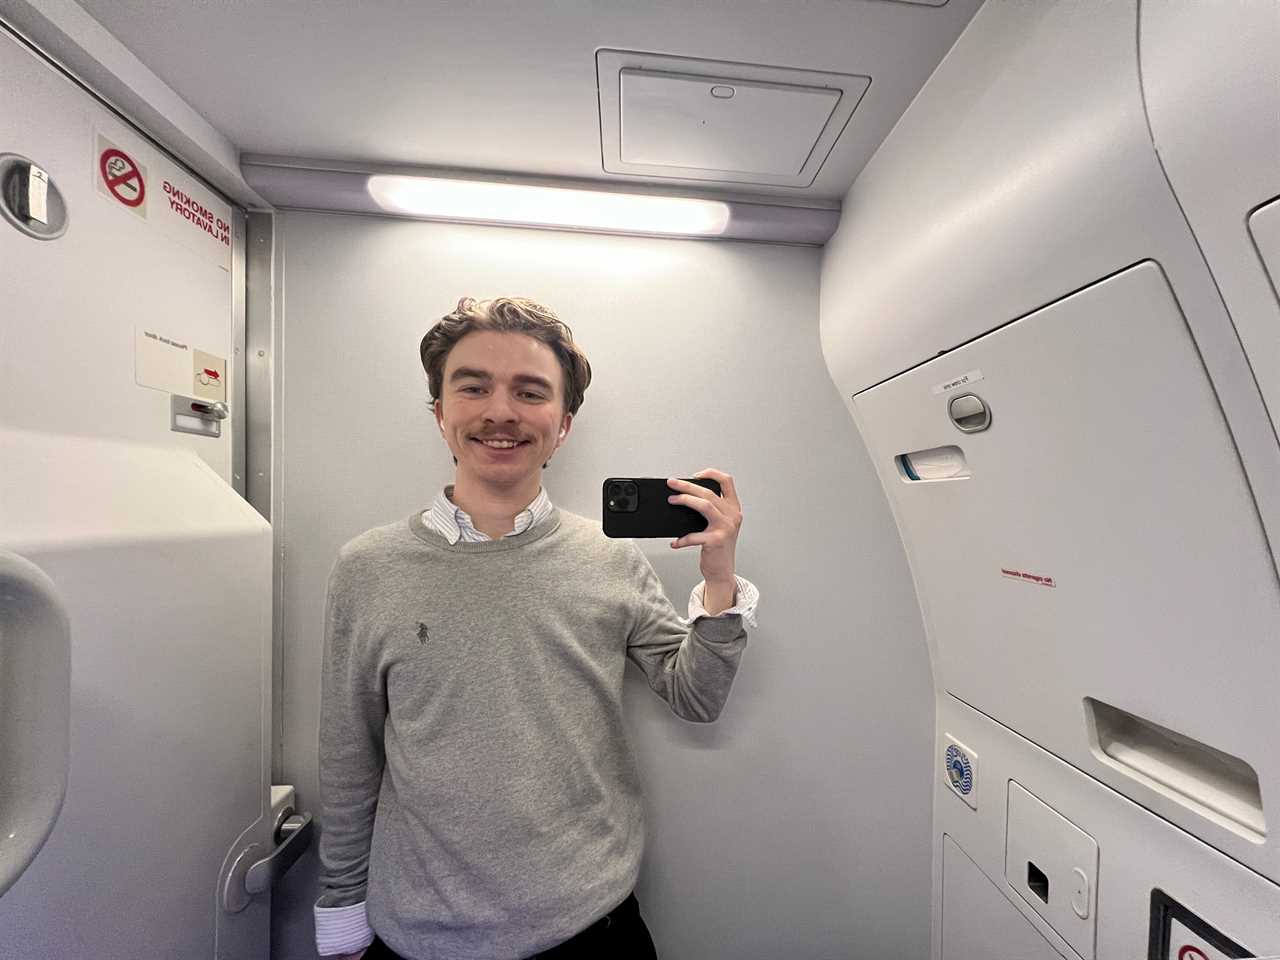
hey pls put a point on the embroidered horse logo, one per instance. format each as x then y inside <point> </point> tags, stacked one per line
<point>422,633</point>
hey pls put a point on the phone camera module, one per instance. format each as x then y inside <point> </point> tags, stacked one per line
<point>622,496</point>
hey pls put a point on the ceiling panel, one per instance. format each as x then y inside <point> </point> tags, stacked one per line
<point>507,85</point>
<point>680,117</point>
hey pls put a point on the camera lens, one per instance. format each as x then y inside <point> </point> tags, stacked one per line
<point>631,488</point>
<point>615,488</point>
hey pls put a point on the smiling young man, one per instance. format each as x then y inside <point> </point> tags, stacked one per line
<point>480,799</point>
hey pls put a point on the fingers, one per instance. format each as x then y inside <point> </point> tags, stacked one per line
<point>723,511</point>
<point>697,489</point>
<point>728,489</point>
<point>701,504</point>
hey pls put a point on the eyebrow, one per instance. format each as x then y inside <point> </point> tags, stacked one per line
<point>465,373</point>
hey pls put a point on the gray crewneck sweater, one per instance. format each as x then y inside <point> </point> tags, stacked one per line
<point>478,789</point>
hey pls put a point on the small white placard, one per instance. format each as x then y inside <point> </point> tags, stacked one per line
<point>973,376</point>
<point>1185,945</point>
<point>166,363</point>
<point>161,362</point>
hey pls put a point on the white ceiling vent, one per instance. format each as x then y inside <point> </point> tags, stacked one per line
<point>675,117</point>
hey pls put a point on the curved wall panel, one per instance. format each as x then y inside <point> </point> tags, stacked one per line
<point>1211,80</point>
<point>1023,171</point>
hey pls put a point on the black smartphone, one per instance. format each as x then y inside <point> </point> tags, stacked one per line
<point>637,507</point>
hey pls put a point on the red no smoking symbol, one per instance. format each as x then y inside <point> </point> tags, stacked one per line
<point>1192,953</point>
<point>123,178</point>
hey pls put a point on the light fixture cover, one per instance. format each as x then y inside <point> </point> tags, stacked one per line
<point>485,202</point>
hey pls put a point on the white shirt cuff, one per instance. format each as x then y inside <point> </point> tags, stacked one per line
<point>342,930</point>
<point>748,598</point>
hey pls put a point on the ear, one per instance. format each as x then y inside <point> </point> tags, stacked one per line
<point>565,426</point>
<point>437,407</point>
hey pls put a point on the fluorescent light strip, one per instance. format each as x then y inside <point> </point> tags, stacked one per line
<point>547,206</point>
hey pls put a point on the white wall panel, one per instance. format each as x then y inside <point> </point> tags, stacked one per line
<point>797,824</point>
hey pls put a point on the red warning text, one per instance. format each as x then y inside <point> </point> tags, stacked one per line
<point>1028,577</point>
<point>197,214</point>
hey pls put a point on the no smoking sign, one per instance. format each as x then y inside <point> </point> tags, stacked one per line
<point>121,177</point>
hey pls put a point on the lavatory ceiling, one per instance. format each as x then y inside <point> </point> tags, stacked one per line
<point>510,86</point>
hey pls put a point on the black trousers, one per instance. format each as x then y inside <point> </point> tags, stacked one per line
<point>619,935</point>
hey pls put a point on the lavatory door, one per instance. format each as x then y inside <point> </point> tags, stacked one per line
<point>135,599</point>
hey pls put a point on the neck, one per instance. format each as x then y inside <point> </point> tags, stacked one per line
<point>492,509</point>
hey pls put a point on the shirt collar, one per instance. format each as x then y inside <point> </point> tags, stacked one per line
<point>453,523</point>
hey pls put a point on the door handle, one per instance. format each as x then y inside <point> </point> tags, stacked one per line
<point>250,875</point>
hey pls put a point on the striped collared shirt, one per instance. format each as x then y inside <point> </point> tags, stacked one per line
<point>454,524</point>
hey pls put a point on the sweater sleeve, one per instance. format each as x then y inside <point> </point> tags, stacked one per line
<point>353,711</point>
<point>690,665</point>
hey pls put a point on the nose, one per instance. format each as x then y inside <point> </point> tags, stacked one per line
<point>499,409</point>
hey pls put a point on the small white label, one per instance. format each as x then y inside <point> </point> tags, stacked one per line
<point>172,365</point>
<point>38,195</point>
<point>973,376</point>
<point>1185,945</point>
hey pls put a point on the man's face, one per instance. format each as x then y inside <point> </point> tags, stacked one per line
<point>502,387</point>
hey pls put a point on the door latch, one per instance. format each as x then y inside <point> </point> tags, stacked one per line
<point>251,873</point>
<point>29,199</point>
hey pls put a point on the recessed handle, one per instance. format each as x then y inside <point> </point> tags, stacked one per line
<point>939,463</point>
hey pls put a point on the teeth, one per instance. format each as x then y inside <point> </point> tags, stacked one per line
<point>499,444</point>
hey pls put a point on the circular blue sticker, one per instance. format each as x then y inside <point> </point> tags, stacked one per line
<point>959,771</point>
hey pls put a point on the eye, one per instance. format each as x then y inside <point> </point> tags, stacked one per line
<point>473,387</point>
<point>535,396</point>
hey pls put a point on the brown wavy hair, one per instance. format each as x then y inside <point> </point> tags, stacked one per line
<point>506,315</point>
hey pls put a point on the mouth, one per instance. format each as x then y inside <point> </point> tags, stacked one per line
<point>501,444</point>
